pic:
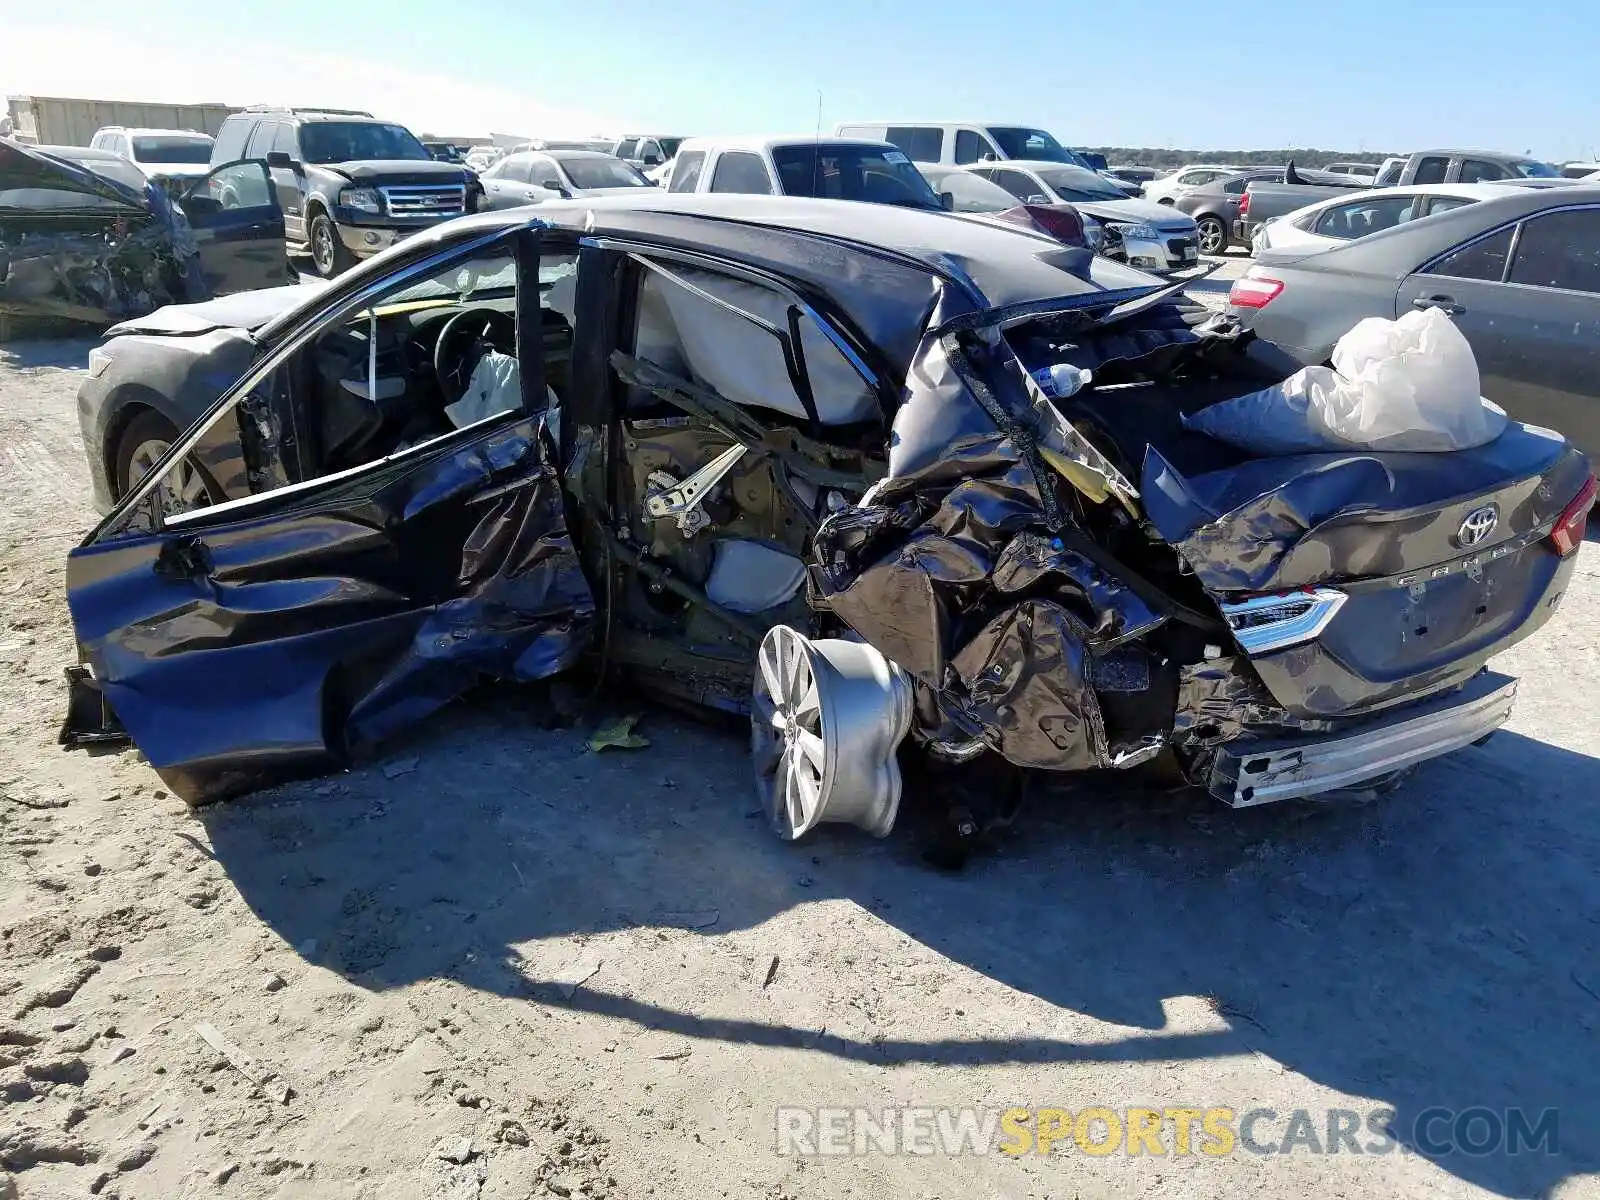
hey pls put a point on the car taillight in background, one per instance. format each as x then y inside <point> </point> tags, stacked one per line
<point>1244,204</point>
<point>1065,224</point>
<point>1254,291</point>
<point>1573,523</point>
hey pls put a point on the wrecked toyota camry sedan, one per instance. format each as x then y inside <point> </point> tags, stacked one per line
<point>796,459</point>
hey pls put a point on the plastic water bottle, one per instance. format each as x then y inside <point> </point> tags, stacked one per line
<point>1061,380</point>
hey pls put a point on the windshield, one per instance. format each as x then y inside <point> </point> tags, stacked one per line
<point>875,174</point>
<point>602,173</point>
<point>1032,143</point>
<point>483,279</point>
<point>172,150</point>
<point>669,146</point>
<point>1074,184</point>
<point>354,141</point>
<point>1532,169</point>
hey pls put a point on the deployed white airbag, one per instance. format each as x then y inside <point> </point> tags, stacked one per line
<point>1406,385</point>
<point>680,328</point>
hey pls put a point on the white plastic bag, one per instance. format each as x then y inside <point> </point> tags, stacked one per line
<point>1406,385</point>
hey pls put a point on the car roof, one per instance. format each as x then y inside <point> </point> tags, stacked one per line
<point>140,132</point>
<point>1492,189</point>
<point>574,155</point>
<point>1398,250</point>
<point>881,264</point>
<point>758,143</point>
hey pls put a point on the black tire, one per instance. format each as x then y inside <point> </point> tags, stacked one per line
<point>328,254</point>
<point>145,430</point>
<point>1213,234</point>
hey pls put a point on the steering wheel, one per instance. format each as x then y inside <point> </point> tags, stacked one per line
<point>463,341</point>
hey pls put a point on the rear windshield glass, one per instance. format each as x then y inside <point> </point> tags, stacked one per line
<point>602,173</point>
<point>877,174</point>
<point>352,141</point>
<point>172,150</point>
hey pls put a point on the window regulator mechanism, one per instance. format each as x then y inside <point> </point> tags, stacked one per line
<point>670,498</point>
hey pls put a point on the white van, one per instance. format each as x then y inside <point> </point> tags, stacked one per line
<point>963,143</point>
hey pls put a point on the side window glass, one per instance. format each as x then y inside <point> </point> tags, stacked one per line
<point>927,145</point>
<point>1475,170</point>
<point>1560,250</point>
<point>236,185</point>
<point>262,139</point>
<point>740,172</point>
<point>626,147</point>
<point>1483,259</point>
<point>230,142</point>
<point>1235,187</point>
<point>1441,204</point>
<point>1020,186</point>
<point>354,393</point>
<point>1361,217</point>
<point>970,147</point>
<point>686,172</point>
<point>1431,170</point>
<point>284,141</point>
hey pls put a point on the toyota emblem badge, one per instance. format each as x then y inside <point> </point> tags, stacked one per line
<point>1477,525</point>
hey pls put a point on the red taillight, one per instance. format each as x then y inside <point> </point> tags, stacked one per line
<point>1254,291</point>
<point>1567,536</point>
<point>1244,205</point>
<point>1064,224</point>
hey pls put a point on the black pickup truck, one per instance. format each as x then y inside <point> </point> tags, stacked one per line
<point>349,184</point>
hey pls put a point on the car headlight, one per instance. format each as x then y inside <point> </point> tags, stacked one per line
<point>1143,232</point>
<point>99,360</point>
<point>1094,234</point>
<point>361,199</point>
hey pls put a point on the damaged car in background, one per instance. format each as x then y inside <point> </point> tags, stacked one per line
<point>86,238</point>
<point>897,485</point>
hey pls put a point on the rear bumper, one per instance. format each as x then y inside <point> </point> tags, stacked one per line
<point>1251,771</point>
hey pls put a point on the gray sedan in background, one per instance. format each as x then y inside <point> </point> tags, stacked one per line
<point>1215,208</point>
<point>1519,275</point>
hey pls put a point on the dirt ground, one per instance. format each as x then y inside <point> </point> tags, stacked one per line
<point>495,964</point>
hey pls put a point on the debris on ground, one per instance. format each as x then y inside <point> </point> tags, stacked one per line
<point>618,734</point>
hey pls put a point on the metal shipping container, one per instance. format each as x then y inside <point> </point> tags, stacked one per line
<point>62,121</point>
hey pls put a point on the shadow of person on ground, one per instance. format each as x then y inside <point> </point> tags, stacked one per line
<point>1435,949</point>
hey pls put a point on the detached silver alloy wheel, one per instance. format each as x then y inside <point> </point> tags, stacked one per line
<point>183,488</point>
<point>825,723</point>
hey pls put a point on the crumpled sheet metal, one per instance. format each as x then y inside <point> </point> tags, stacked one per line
<point>321,637</point>
<point>96,276</point>
<point>1270,524</point>
<point>1219,700</point>
<point>951,571</point>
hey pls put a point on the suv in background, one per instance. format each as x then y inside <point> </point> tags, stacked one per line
<point>820,167</point>
<point>349,184</point>
<point>646,150</point>
<point>174,158</point>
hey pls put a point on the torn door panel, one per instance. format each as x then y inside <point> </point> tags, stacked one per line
<point>271,650</point>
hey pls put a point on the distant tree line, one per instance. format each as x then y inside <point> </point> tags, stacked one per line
<point>1146,156</point>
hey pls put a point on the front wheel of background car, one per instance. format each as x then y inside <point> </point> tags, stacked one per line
<point>1213,235</point>
<point>144,443</point>
<point>328,254</point>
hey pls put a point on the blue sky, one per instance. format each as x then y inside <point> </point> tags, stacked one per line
<point>1350,74</point>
